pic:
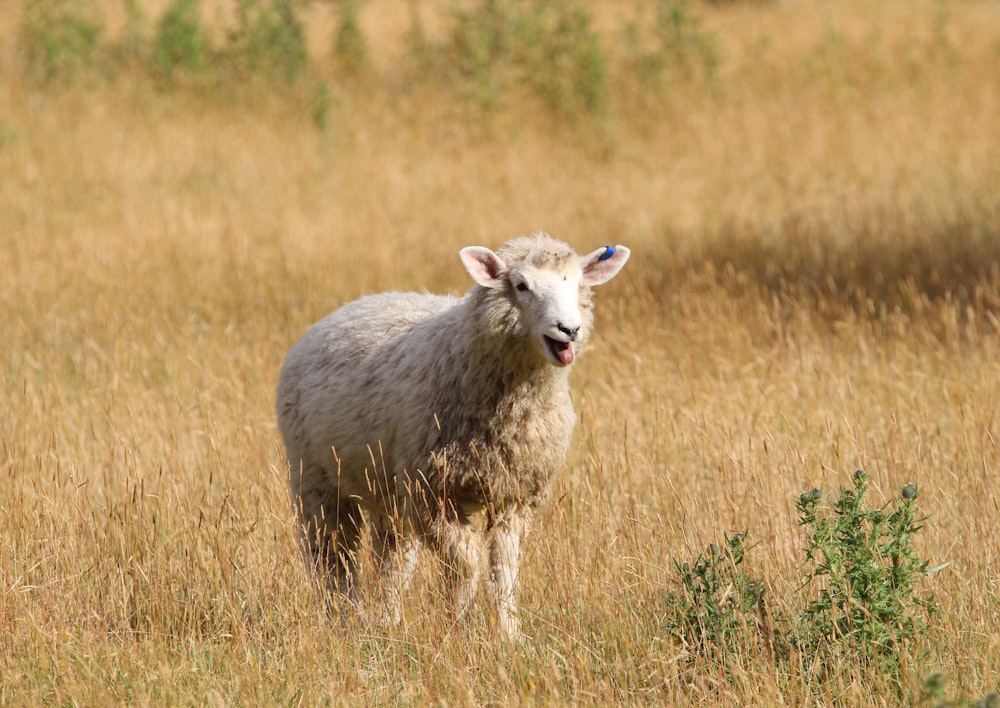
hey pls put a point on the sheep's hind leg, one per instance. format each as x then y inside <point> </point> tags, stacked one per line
<point>331,533</point>
<point>397,556</point>
<point>504,537</point>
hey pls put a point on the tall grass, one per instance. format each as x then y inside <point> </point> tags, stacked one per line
<point>814,289</point>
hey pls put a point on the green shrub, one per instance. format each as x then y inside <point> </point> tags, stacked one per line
<point>61,38</point>
<point>496,51</point>
<point>133,45</point>
<point>321,103</point>
<point>862,569</point>
<point>421,54</point>
<point>862,608</point>
<point>674,47</point>
<point>478,51</point>
<point>933,692</point>
<point>268,40</point>
<point>493,54</point>
<point>716,600</point>
<point>566,65</point>
<point>349,46</point>
<point>181,44</point>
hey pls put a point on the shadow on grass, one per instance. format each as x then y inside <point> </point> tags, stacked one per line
<point>873,271</point>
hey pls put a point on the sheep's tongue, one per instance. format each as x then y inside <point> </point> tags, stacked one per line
<point>564,350</point>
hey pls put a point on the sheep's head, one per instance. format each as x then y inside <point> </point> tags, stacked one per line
<point>547,287</point>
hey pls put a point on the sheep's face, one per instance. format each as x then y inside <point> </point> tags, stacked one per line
<point>548,286</point>
<point>548,304</point>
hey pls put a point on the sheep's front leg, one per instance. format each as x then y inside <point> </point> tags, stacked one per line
<point>505,562</point>
<point>464,551</point>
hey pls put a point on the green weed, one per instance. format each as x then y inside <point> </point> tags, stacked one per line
<point>321,106</point>
<point>674,47</point>
<point>862,568</point>
<point>717,598</point>
<point>181,44</point>
<point>61,38</point>
<point>492,53</point>
<point>350,48</point>
<point>934,692</point>
<point>479,51</point>
<point>133,46</point>
<point>548,50</point>
<point>567,66</point>
<point>862,571</point>
<point>268,40</point>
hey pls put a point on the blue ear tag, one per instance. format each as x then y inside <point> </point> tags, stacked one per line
<point>608,252</point>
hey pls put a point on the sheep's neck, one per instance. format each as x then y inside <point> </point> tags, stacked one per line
<point>503,372</point>
<point>507,427</point>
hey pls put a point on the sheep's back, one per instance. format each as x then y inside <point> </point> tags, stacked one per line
<point>352,376</point>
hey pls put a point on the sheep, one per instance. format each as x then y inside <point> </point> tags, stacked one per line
<point>416,415</point>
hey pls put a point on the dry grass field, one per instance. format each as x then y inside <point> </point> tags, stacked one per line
<point>814,288</point>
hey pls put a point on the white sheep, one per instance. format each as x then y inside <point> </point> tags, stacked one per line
<point>410,413</point>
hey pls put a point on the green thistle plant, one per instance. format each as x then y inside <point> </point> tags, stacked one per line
<point>863,569</point>
<point>717,598</point>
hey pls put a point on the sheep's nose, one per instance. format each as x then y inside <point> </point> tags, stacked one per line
<point>570,332</point>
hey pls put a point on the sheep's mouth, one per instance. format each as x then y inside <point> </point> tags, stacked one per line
<point>562,352</point>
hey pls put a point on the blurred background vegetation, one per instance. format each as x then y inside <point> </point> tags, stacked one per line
<point>597,70</point>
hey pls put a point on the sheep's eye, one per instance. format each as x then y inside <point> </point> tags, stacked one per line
<point>523,287</point>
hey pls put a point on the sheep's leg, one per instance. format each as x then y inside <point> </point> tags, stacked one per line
<point>505,561</point>
<point>331,533</point>
<point>464,552</point>
<point>397,558</point>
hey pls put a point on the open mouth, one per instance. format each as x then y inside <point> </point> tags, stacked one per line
<point>561,351</point>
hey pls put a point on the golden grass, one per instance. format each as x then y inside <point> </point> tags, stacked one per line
<point>814,289</point>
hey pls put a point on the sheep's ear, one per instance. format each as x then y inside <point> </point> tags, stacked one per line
<point>483,265</point>
<point>603,264</point>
